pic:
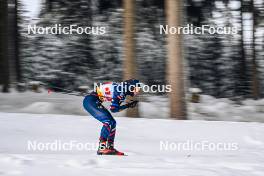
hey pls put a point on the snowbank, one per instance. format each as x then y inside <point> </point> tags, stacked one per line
<point>209,108</point>
<point>224,109</point>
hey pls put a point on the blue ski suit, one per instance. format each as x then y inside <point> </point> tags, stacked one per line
<point>107,92</point>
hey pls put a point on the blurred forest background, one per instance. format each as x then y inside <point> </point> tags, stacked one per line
<point>227,66</point>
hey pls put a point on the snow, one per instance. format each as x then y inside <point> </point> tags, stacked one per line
<point>150,106</point>
<point>195,90</point>
<point>140,138</point>
<point>225,109</point>
<point>31,8</point>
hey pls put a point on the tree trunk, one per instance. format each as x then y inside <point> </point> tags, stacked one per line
<point>4,66</point>
<point>255,81</point>
<point>16,43</point>
<point>129,46</point>
<point>242,69</point>
<point>175,63</point>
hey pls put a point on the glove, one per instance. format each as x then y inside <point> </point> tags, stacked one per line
<point>132,104</point>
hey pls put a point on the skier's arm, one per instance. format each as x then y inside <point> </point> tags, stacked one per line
<point>116,107</point>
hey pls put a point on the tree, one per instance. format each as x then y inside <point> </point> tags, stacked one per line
<point>4,65</point>
<point>17,40</point>
<point>243,79</point>
<point>61,60</point>
<point>255,82</point>
<point>129,47</point>
<point>13,41</point>
<point>174,64</point>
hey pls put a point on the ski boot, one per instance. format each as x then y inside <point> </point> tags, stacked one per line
<point>107,149</point>
<point>110,146</point>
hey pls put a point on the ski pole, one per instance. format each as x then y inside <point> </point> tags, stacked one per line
<point>64,91</point>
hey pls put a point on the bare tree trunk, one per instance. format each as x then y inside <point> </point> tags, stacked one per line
<point>129,62</point>
<point>4,66</point>
<point>255,81</point>
<point>16,43</point>
<point>175,75</point>
<point>243,76</point>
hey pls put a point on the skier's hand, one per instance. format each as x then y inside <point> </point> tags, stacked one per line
<point>132,104</point>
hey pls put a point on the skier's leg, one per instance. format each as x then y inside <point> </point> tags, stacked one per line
<point>111,137</point>
<point>99,112</point>
<point>109,125</point>
<point>93,105</point>
<point>109,128</point>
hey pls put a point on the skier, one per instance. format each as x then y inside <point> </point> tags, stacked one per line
<point>115,93</point>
